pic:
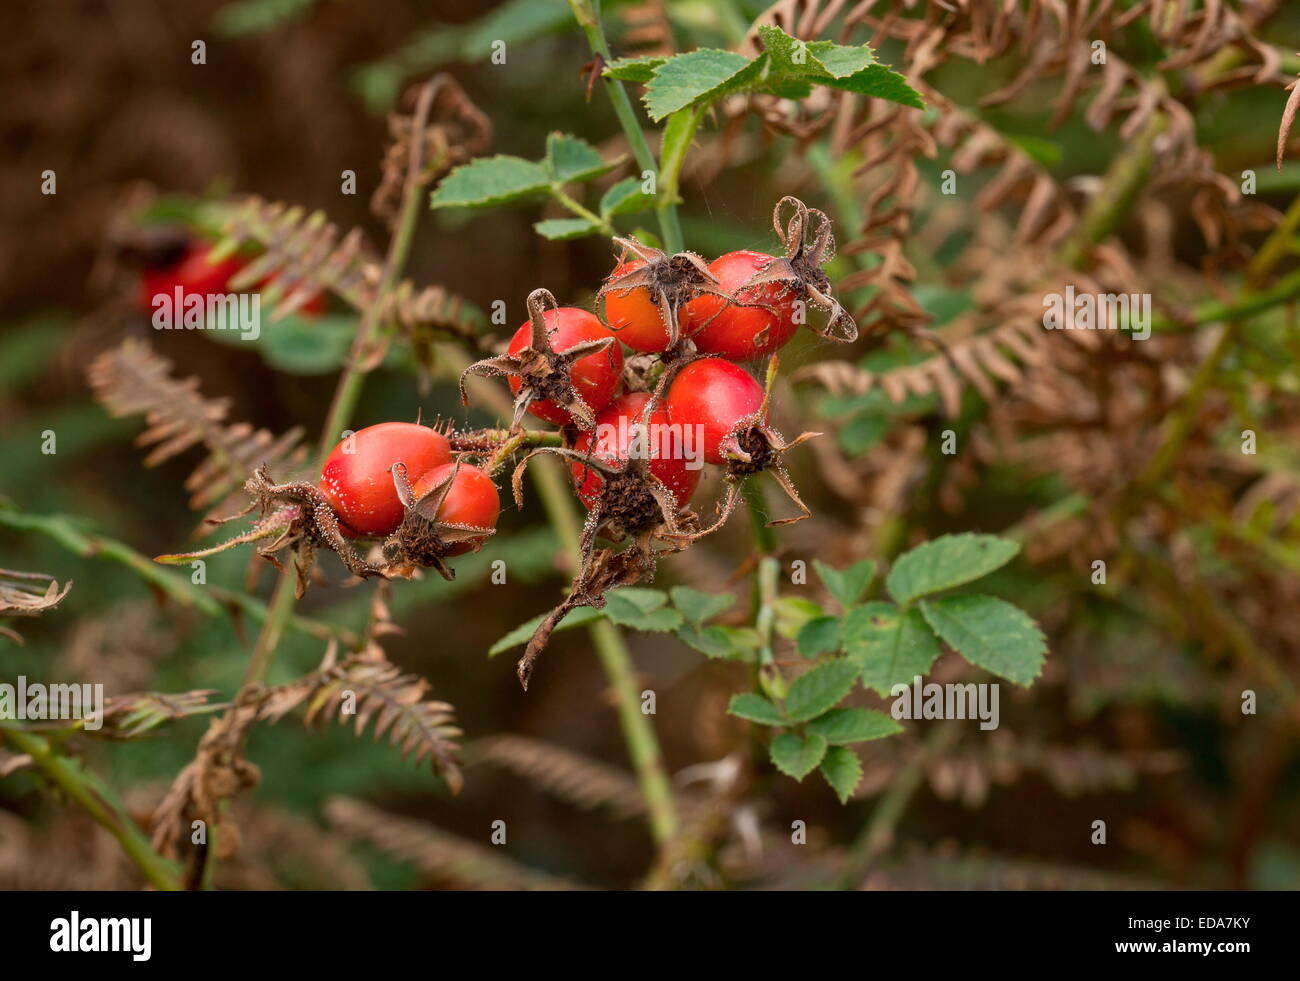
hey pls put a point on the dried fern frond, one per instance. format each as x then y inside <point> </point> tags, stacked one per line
<point>305,251</point>
<point>577,779</point>
<point>136,715</point>
<point>134,380</point>
<point>217,773</point>
<point>27,594</point>
<point>368,686</point>
<point>437,854</point>
<point>953,868</point>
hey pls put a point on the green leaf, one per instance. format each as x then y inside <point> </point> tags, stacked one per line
<point>791,613</point>
<point>990,633</point>
<point>842,770</point>
<point>570,159</point>
<point>851,68</point>
<point>521,634</point>
<point>889,646</point>
<point>819,636</point>
<point>712,642</point>
<point>697,606</point>
<point>853,725</point>
<point>878,82</point>
<point>946,562</point>
<point>625,198</point>
<point>755,708</point>
<point>634,69</point>
<point>697,77</point>
<point>558,229</point>
<point>797,757</point>
<point>491,181</point>
<point>846,585</point>
<point>820,689</point>
<point>641,609</point>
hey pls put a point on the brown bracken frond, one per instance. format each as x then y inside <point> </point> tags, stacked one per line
<point>134,380</point>
<point>27,594</point>
<point>397,703</point>
<point>582,781</point>
<point>436,853</point>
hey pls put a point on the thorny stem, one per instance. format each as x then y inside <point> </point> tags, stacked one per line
<point>97,801</point>
<point>353,378</point>
<point>615,659</point>
<point>587,14</point>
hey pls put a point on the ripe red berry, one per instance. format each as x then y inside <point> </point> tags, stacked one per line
<point>669,461</point>
<point>734,331</point>
<point>634,316</point>
<point>595,376</point>
<point>716,395</point>
<point>358,482</point>
<point>471,500</point>
<point>193,273</point>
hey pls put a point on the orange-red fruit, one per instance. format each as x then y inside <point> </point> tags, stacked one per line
<point>715,395</point>
<point>595,376</point>
<point>669,461</point>
<point>471,500</point>
<point>193,273</point>
<point>733,333</point>
<point>357,477</point>
<point>633,315</point>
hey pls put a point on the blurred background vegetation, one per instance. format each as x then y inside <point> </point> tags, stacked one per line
<point>1137,721</point>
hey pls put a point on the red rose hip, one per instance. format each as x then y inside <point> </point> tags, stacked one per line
<point>357,477</point>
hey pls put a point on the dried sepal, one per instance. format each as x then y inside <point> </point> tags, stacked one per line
<point>423,540</point>
<point>809,241</point>
<point>294,515</point>
<point>543,372</point>
<point>754,446</point>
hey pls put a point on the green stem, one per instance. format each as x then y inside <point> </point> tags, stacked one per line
<point>348,392</point>
<point>558,193</point>
<point>97,801</point>
<point>876,837</point>
<point>642,743</point>
<point>587,14</point>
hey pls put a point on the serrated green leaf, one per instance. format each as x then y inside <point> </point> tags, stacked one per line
<point>520,635</point>
<point>842,770</point>
<point>989,633</point>
<point>797,757</point>
<point>625,198</point>
<point>951,560</point>
<point>852,725</point>
<point>559,229</point>
<point>820,689</point>
<point>490,181</point>
<point>712,642</point>
<point>755,708</point>
<point>890,647</point>
<point>878,82</point>
<point>698,77</point>
<point>846,585</point>
<point>851,68</point>
<point>641,609</point>
<point>570,159</point>
<point>633,69</point>
<point>697,606</point>
<point>818,636</point>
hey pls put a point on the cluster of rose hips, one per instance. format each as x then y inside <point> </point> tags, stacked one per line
<point>428,493</point>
